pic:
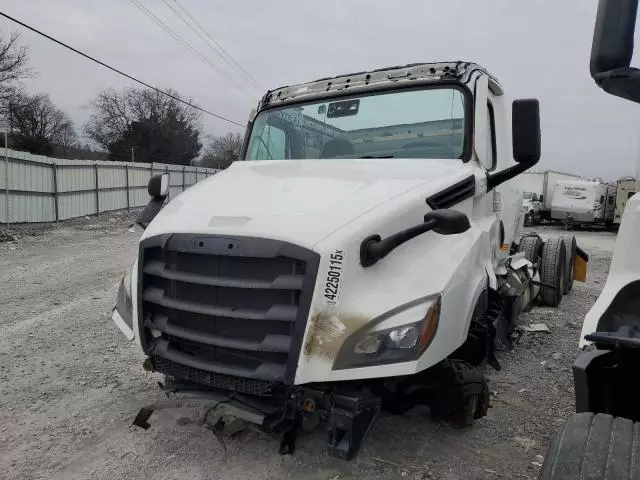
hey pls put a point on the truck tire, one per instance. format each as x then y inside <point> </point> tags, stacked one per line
<point>552,271</point>
<point>531,245</point>
<point>593,446</point>
<point>570,246</point>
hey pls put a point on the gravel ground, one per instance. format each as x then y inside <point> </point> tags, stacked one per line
<point>70,384</point>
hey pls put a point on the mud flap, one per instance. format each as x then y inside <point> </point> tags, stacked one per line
<point>580,266</point>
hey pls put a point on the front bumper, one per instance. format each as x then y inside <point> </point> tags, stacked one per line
<point>348,411</point>
<point>121,324</point>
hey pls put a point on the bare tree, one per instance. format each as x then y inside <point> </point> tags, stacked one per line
<point>222,151</point>
<point>37,124</point>
<point>158,127</point>
<point>13,64</point>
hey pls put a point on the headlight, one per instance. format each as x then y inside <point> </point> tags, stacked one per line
<point>400,335</point>
<point>124,305</point>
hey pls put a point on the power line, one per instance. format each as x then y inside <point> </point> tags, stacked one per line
<point>212,43</point>
<point>118,71</point>
<point>181,40</point>
<point>222,49</point>
<point>212,47</point>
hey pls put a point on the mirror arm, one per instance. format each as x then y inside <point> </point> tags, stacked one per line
<point>373,248</point>
<point>495,179</point>
<point>150,211</point>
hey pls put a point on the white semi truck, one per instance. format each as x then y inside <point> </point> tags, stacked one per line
<point>364,254</point>
<point>537,191</point>
<point>600,441</point>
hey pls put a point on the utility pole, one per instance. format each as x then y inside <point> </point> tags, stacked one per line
<point>132,154</point>
<point>6,178</point>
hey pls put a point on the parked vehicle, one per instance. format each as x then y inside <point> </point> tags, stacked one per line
<point>531,207</point>
<point>601,439</point>
<point>353,261</point>
<point>625,189</point>
<point>543,184</point>
<point>583,203</point>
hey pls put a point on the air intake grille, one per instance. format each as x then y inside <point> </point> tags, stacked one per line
<point>224,308</point>
<point>453,194</point>
<point>237,384</point>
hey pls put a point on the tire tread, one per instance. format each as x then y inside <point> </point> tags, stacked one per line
<point>552,267</point>
<point>530,245</point>
<point>593,446</point>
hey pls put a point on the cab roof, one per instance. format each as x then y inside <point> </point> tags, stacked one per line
<point>379,79</point>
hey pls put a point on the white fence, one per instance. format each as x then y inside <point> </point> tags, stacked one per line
<point>34,188</point>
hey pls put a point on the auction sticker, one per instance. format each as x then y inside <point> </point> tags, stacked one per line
<point>333,277</point>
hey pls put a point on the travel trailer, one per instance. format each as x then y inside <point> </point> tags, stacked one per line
<point>583,203</point>
<point>537,193</point>
<point>625,189</point>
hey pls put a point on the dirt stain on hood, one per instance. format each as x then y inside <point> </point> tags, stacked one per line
<point>328,332</point>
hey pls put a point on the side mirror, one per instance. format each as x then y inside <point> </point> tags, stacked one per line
<point>525,132</point>
<point>612,49</point>
<point>448,222</point>
<point>525,129</point>
<point>158,186</point>
<point>541,198</point>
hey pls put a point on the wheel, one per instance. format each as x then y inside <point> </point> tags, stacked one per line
<point>531,246</point>
<point>591,446</point>
<point>552,268</point>
<point>570,255</point>
<point>463,394</point>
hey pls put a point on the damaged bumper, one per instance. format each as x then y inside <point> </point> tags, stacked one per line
<point>348,413</point>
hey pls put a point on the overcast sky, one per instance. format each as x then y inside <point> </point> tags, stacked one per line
<point>536,48</point>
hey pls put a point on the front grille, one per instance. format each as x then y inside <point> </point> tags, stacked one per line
<point>217,380</point>
<point>224,308</point>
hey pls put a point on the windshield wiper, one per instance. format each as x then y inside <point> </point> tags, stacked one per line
<point>377,156</point>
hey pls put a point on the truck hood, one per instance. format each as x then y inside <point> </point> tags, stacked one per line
<point>300,201</point>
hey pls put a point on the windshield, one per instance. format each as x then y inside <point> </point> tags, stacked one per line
<point>526,195</point>
<point>427,123</point>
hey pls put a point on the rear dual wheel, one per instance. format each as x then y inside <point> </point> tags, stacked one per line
<point>553,267</point>
<point>570,257</point>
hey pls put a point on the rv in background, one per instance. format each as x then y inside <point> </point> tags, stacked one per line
<point>538,188</point>
<point>625,189</point>
<point>583,203</point>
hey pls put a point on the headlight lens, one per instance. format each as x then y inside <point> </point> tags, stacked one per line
<point>406,337</point>
<point>368,345</point>
<point>393,337</point>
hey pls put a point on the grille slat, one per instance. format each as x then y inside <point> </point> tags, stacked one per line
<point>270,343</point>
<point>214,309</point>
<point>158,296</point>
<point>281,282</point>
<point>265,371</point>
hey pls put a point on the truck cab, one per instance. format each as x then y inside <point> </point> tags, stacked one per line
<point>362,244</point>
<point>531,208</point>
